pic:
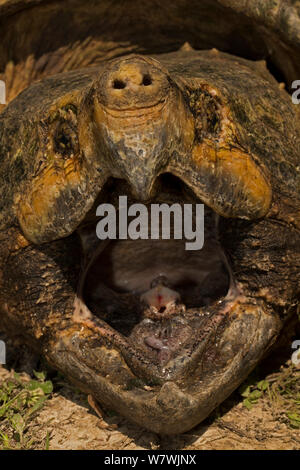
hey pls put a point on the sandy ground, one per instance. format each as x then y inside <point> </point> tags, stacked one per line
<point>72,424</point>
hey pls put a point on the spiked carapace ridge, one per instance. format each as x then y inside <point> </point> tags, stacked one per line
<point>158,333</point>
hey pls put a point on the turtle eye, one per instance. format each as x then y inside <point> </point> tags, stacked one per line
<point>66,140</point>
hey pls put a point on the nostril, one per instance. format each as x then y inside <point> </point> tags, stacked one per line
<point>147,80</point>
<point>118,84</point>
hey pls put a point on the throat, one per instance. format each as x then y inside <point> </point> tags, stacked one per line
<point>154,294</point>
<point>127,281</point>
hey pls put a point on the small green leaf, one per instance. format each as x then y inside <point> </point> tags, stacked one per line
<point>33,385</point>
<point>10,386</point>
<point>17,377</point>
<point>255,395</point>
<point>36,406</point>
<point>47,386</point>
<point>3,396</point>
<point>47,443</point>
<point>40,375</point>
<point>245,390</point>
<point>247,404</point>
<point>18,423</point>
<point>263,385</point>
<point>294,417</point>
<point>5,440</point>
<point>295,424</point>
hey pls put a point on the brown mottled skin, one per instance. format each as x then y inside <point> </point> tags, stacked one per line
<point>217,122</point>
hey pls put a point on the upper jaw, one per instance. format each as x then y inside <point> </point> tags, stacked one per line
<point>137,148</point>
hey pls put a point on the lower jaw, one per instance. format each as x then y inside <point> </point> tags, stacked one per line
<point>168,402</point>
<point>104,362</point>
<point>195,338</point>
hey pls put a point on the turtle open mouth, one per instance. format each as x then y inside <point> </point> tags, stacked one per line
<point>158,332</point>
<point>168,312</point>
<point>156,296</point>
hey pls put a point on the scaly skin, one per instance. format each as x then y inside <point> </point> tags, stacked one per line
<point>57,187</point>
<point>219,123</point>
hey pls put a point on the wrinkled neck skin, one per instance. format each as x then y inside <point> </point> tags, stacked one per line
<point>136,123</point>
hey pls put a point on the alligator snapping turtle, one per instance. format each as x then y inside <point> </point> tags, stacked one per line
<point>160,334</point>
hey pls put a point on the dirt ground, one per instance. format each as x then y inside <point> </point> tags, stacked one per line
<point>66,421</point>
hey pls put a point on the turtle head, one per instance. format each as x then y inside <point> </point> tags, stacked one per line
<point>160,333</point>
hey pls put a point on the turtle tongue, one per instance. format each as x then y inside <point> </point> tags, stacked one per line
<point>160,305</point>
<point>160,298</point>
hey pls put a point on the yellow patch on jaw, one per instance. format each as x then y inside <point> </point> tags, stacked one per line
<point>34,207</point>
<point>239,169</point>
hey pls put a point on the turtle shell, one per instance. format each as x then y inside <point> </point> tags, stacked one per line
<point>41,37</point>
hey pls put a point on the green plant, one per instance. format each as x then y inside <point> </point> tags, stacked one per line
<point>281,389</point>
<point>20,399</point>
